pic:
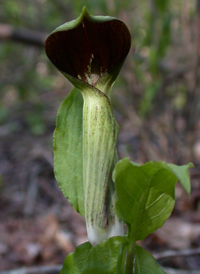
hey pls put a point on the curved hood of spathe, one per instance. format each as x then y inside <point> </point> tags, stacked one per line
<point>89,47</point>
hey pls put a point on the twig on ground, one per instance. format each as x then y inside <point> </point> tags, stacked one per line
<point>52,269</point>
<point>171,253</point>
<point>180,271</point>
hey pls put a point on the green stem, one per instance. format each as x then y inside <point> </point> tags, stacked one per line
<point>131,236</point>
<point>130,253</point>
<point>129,261</point>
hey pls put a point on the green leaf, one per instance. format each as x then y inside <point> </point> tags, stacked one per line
<point>102,259</point>
<point>75,261</point>
<point>68,143</point>
<point>182,174</point>
<point>145,262</point>
<point>145,195</point>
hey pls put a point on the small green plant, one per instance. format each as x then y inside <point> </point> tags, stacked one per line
<point>90,52</point>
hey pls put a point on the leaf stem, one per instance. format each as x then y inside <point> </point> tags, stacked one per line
<point>129,260</point>
<point>130,253</point>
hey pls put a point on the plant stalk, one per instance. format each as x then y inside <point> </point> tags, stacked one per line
<point>129,260</point>
<point>130,253</point>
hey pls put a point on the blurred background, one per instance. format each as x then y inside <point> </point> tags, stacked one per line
<point>156,103</point>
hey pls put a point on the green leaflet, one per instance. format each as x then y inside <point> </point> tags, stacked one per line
<point>145,262</point>
<point>68,146</point>
<point>145,201</point>
<point>74,262</point>
<point>182,174</point>
<point>101,259</point>
<point>145,194</point>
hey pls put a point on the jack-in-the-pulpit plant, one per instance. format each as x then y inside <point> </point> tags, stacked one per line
<point>90,52</point>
